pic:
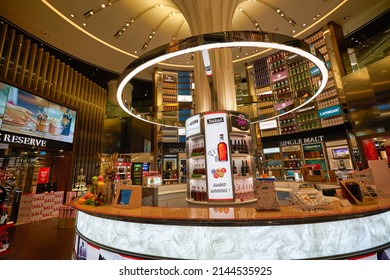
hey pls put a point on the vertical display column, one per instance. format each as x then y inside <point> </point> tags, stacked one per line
<point>219,176</point>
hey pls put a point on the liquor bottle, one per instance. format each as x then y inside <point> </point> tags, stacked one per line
<point>222,149</point>
<point>246,148</point>
<point>240,146</point>
<point>203,194</point>
<point>243,169</point>
<point>234,168</point>
<point>66,122</point>
<point>246,167</point>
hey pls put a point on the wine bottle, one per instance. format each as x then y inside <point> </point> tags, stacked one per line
<point>234,168</point>
<point>243,169</point>
<point>246,167</point>
<point>222,149</point>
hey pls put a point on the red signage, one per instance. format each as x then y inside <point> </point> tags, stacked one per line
<point>43,175</point>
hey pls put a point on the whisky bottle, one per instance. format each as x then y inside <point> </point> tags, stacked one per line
<point>222,149</point>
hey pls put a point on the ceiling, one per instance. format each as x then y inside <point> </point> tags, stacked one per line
<point>109,35</point>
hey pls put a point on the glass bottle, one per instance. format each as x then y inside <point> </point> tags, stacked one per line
<point>222,149</point>
<point>66,122</point>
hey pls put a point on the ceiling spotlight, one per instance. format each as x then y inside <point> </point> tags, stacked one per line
<point>278,10</point>
<point>154,32</point>
<point>84,24</point>
<point>72,15</point>
<point>103,6</point>
<point>304,24</point>
<point>132,20</point>
<point>145,46</point>
<point>127,24</point>
<point>346,17</point>
<point>240,9</point>
<point>91,12</point>
<point>150,36</point>
<point>109,3</point>
<point>282,14</point>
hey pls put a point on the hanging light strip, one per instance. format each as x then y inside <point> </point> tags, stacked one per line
<point>231,39</point>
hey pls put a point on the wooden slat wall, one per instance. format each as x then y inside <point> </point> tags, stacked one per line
<point>29,66</point>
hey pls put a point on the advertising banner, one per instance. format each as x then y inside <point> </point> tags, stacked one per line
<point>43,175</point>
<point>25,113</point>
<point>219,177</point>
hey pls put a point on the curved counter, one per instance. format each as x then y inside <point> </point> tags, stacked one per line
<point>234,232</point>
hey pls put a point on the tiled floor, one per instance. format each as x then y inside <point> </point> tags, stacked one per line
<point>41,240</point>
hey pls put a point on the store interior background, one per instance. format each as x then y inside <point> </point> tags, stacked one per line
<point>104,129</point>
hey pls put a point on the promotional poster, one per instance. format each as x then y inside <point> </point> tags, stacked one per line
<point>219,175</point>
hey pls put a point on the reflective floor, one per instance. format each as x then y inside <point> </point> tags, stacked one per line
<point>41,240</point>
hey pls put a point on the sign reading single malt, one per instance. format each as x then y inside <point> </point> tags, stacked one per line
<point>219,177</point>
<point>301,141</point>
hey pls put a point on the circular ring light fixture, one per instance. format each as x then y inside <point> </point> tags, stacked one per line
<point>230,39</point>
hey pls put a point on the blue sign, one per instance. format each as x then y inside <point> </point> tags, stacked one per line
<point>329,112</point>
<point>314,71</point>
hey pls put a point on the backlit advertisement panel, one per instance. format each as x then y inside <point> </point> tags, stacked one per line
<point>219,177</point>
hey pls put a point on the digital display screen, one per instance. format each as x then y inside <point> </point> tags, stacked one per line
<point>25,113</point>
<point>124,197</point>
<point>341,152</point>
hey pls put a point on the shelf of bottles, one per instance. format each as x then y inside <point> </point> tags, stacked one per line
<point>264,95</point>
<point>288,124</point>
<point>4,226</point>
<point>292,160</point>
<point>197,168</point>
<point>273,163</point>
<point>242,166</point>
<point>314,155</point>
<point>277,65</point>
<point>299,75</point>
<point>307,118</point>
<point>122,169</point>
<point>184,95</point>
<point>136,173</point>
<point>329,98</point>
<point>169,106</point>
